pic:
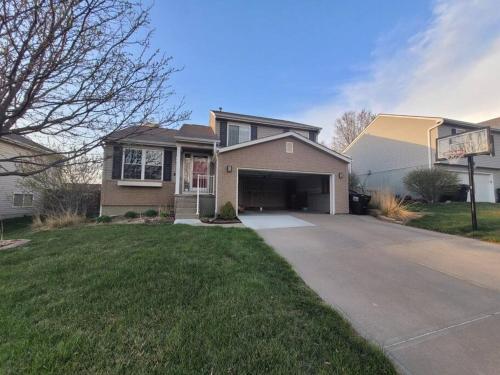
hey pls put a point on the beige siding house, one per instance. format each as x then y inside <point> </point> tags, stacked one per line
<point>256,163</point>
<point>15,199</point>
<point>393,145</point>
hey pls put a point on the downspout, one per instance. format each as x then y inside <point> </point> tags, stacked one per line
<point>429,145</point>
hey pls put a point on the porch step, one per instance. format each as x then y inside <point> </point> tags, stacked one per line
<point>185,213</point>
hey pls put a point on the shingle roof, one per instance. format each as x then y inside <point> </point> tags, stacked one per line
<point>262,120</point>
<point>25,141</point>
<point>197,131</point>
<point>144,134</point>
<point>152,134</point>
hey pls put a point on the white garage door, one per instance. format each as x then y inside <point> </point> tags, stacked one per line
<point>483,183</point>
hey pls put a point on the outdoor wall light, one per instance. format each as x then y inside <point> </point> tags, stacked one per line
<point>229,168</point>
<point>341,175</point>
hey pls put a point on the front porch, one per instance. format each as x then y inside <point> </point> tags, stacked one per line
<point>195,181</point>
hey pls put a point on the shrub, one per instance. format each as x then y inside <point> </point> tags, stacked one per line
<point>104,219</point>
<point>430,184</point>
<point>391,206</point>
<point>227,211</point>
<point>54,221</point>
<point>150,213</point>
<point>131,214</point>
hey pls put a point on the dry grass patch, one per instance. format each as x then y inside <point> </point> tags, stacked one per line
<point>64,220</point>
<point>391,206</point>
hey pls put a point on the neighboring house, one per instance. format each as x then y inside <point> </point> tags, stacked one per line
<point>252,162</point>
<point>15,199</point>
<point>393,145</point>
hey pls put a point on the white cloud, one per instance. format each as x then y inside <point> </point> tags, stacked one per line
<point>450,69</point>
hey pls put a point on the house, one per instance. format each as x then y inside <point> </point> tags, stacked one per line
<point>393,145</point>
<point>256,163</point>
<point>15,199</point>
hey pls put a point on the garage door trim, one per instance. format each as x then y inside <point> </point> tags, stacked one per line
<point>332,182</point>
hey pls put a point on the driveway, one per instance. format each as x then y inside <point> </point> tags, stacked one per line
<point>431,300</point>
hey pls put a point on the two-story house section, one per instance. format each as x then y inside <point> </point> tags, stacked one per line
<point>393,145</point>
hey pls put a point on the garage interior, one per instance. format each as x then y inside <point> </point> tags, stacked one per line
<point>272,191</point>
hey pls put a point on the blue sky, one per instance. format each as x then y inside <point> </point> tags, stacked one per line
<point>310,60</point>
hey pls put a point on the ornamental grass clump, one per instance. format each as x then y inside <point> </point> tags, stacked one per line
<point>391,206</point>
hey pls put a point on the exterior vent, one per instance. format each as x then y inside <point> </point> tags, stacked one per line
<point>289,147</point>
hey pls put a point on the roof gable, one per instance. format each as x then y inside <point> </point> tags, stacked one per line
<point>320,147</point>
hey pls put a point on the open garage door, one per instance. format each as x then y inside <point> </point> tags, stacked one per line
<point>279,190</point>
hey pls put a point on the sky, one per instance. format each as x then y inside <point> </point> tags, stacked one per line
<point>311,60</point>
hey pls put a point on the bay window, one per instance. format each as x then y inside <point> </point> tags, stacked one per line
<point>142,164</point>
<point>237,134</point>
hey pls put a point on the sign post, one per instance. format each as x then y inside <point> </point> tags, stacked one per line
<point>466,144</point>
<point>470,160</point>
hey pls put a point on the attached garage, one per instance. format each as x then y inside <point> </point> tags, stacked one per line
<point>265,190</point>
<point>285,171</point>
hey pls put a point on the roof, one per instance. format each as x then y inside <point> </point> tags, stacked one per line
<point>262,120</point>
<point>156,135</point>
<point>284,135</point>
<point>25,142</point>
<point>494,123</point>
<point>197,132</point>
<point>490,123</point>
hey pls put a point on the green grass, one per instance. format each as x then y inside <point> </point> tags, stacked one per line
<point>167,299</point>
<point>454,218</point>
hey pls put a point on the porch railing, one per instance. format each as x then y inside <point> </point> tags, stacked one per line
<point>205,184</point>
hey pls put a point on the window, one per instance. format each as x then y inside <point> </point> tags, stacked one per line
<point>237,134</point>
<point>23,200</point>
<point>142,164</point>
<point>289,147</point>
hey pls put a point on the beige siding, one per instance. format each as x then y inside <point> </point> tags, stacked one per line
<point>11,184</point>
<point>271,155</point>
<point>389,148</point>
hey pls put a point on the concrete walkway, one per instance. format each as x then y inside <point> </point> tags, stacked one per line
<point>432,301</point>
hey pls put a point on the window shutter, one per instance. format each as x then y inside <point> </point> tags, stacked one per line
<point>313,135</point>
<point>116,173</point>
<point>167,165</point>
<point>253,133</point>
<point>223,133</point>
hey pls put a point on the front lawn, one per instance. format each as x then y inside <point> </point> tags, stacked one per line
<point>167,299</point>
<point>454,218</point>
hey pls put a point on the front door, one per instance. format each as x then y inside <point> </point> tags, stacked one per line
<point>200,173</point>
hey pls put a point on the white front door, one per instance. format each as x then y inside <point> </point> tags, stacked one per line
<point>483,184</point>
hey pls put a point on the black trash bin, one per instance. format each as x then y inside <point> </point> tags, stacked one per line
<point>358,203</point>
<point>498,195</point>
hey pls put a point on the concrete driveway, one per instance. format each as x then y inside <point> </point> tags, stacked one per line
<point>432,301</point>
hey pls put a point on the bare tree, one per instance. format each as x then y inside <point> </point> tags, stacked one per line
<point>349,126</point>
<point>74,71</point>
<point>65,189</point>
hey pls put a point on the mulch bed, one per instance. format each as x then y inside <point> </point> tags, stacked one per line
<point>220,221</point>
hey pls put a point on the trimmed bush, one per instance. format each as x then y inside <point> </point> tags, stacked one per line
<point>430,184</point>
<point>150,213</point>
<point>131,214</point>
<point>104,219</point>
<point>227,212</point>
